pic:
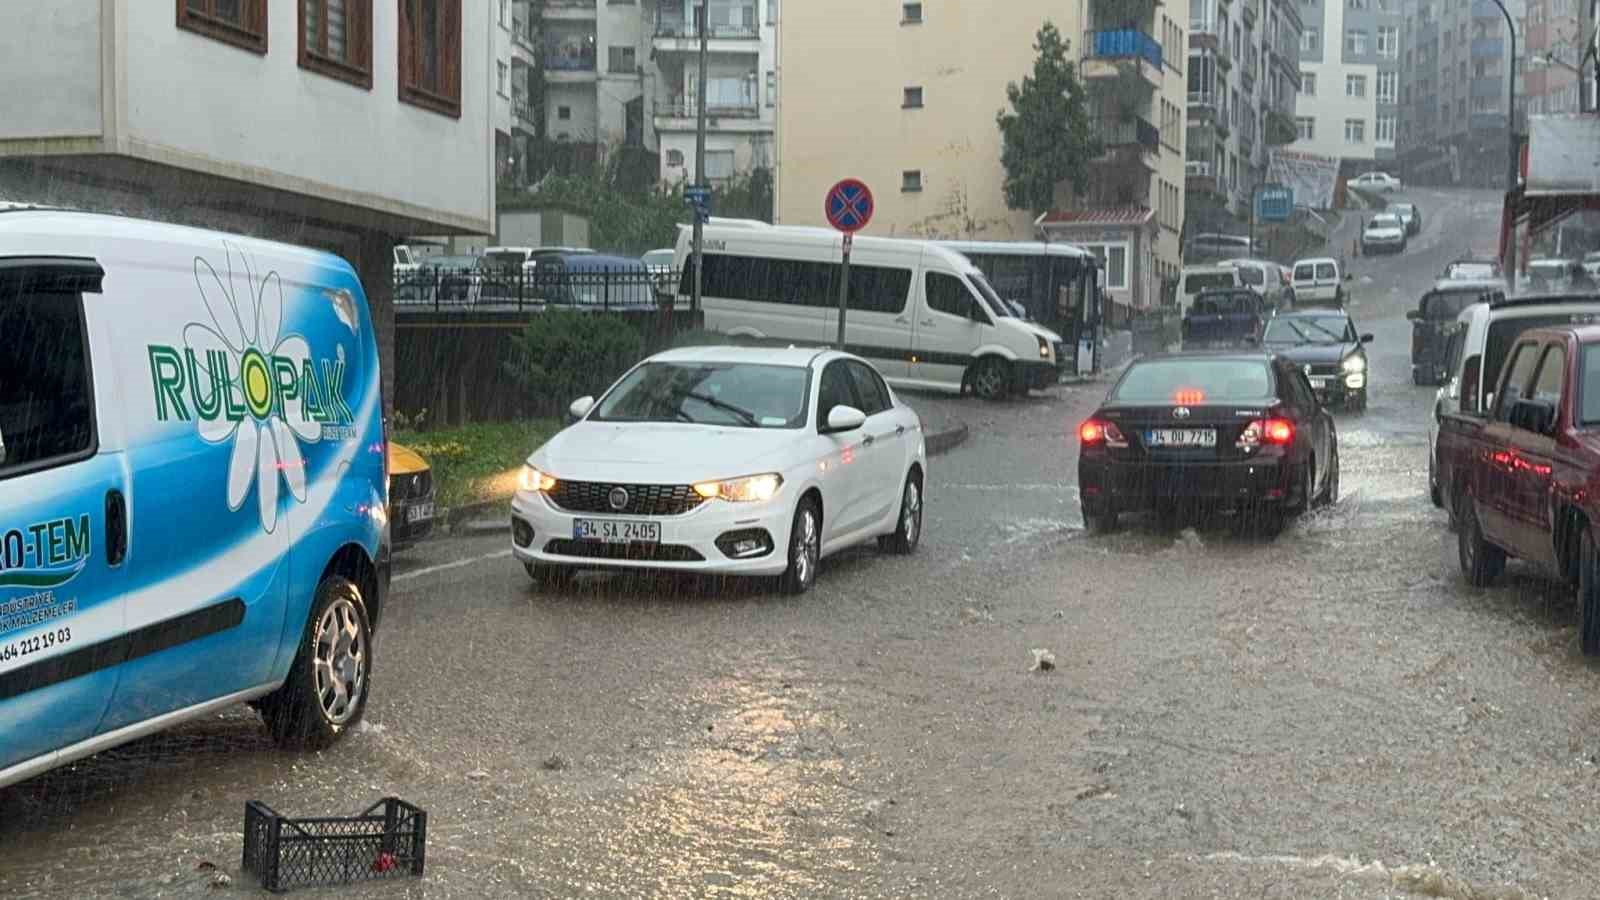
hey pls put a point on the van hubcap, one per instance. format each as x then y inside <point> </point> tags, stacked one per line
<point>989,381</point>
<point>340,662</point>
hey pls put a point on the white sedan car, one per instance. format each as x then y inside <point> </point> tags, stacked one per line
<point>1382,182</point>
<point>738,461</point>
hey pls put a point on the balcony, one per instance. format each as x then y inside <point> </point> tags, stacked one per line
<point>681,113</point>
<point>522,34</point>
<point>1113,54</point>
<point>569,59</point>
<point>678,35</point>
<point>1202,34</point>
<point>570,10</point>
<point>1202,106</point>
<point>1127,137</point>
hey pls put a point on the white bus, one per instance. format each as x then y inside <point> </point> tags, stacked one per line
<point>1058,284</point>
<point>924,314</point>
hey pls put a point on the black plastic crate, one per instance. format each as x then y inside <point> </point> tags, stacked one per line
<point>388,840</point>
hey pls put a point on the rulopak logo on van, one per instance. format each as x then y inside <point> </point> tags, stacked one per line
<point>243,380</point>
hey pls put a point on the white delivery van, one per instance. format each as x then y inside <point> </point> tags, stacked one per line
<point>1192,280</point>
<point>1318,281</point>
<point>923,313</point>
<point>193,503</point>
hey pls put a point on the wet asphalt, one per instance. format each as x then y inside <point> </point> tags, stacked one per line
<point>1331,714</point>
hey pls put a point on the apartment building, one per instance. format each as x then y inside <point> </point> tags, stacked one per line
<point>590,75</point>
<point>913,115</point>
<point>337,125</point>
<point>1553,51</point>
<point>1350,75</point>
<point>1244,84</point>
<point>1457,84</point>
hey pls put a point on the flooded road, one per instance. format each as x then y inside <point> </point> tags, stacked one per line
<point>1333,714</point>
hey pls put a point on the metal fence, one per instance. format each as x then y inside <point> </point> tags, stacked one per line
<point>491,290</point>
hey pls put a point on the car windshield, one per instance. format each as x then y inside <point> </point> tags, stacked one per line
<point>504,259</point>
<point>998,307</point>
<point>1252,275</point>
<point>741,395</point>
<point>1402,209</point>
<point>658,258</point>
<point>1385,221</point>
<point>1308,330</point>
<point>1222,304</point>
<point>1470,270</point>
<point>1196,282</point>
<point>1196,381</point>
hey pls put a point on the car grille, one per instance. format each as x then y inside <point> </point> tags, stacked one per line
<point>410,487</point>
<point>643,499</point>
<point>664,553</point>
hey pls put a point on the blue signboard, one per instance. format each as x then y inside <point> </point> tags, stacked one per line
<point>700,199</point>
<point>1274,203</point>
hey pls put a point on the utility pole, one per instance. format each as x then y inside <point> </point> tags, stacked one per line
<point>703,15</point>
<point>1511,139</point>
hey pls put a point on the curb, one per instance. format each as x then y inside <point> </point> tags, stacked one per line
<point>483,518</point>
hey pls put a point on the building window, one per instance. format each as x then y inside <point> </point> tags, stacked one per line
<point>503,5</point>
<point>911,180</point>
<point>1355,42</point>
<point>1359,4</point>
<point>1355,131</point>
<point>1308,84</point>
<point>675,158</point>
<point>622,61</point>
<point>1388,41</point>
<point>564,113</point>
<point>1305,128</point>
<point>242,23</point>
<point>430,55</point>
<point>1355,85</point>
<point>719,164</point>
<point>1388,86</point>
<point>772,12</point>
<point>1114,259</point>
<point>1309,39</point>
<point>1385,133</point>
<point>336,39</point>
<point>911,14</point>
<point>772,88</point>
<point>913,98</point>
<point>501,72</point>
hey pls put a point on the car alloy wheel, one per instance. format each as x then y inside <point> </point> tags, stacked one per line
<point>805,549</point>
<point>908,530</point>
<point>991,380</point>
<point>339,661</point>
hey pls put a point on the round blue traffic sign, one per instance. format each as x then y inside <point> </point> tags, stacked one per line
<point>849,206</point>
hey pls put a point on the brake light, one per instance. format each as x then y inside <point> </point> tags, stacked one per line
<point>1189,397</point>
<point>1095,432</point>
<point>1277,432</point>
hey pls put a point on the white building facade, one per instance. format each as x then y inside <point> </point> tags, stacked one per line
<point>1349,103</point>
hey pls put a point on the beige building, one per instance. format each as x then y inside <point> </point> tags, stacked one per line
<point>905,96</point>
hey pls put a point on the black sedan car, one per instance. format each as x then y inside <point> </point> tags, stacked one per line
<point>1324,344</point>
<point>1241,432</point>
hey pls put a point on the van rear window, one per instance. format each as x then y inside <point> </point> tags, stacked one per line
<point>46,407</point>
<point>1326,270</point>
<point>1208,281</point>
<point>1305,272</point>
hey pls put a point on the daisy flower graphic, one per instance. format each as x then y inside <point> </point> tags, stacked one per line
<point>242,339</point>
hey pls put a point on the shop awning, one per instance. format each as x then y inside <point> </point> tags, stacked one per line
<point>1560,174</point>
<point>1102,217</point>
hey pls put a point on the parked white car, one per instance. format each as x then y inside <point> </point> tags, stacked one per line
<point>1380,182</point>
<point>727,460</point>
<point>1319,280</point>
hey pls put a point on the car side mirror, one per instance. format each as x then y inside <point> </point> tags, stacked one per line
<point>1366,338</point>
<point>1414,315</point>
<point>1537,416</point>
<point>580,408</point>
<point>842,419</point>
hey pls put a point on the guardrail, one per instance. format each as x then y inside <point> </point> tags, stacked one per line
<point>500,290</point>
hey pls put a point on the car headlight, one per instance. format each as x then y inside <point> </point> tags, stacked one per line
<point>752,489</point>
<point>1355,364</point>
<point>532,479</point>
<point>1044,348</point>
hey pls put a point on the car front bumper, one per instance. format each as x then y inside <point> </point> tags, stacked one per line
<point>1339,388</point>
<point>543,534</point>
<point>1106,485</point>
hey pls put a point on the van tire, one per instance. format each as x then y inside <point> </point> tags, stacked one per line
<point>990,378</point>
<point>296,714</point>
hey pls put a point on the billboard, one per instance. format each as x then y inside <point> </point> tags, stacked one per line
<point>1312,178</point>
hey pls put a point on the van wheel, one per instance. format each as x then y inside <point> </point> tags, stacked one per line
<point>991,379</point>
<point>1481,561</point>
<point>325,694</point>
<point>1589,596</point>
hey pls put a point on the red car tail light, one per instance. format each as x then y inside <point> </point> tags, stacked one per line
<point>1278,432</point>
<point>1095,432</point>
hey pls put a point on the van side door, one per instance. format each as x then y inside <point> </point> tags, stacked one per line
<point>949,329</point>
<point>1533,462</point>
<point>62,515</point>
<point>1496,483</point>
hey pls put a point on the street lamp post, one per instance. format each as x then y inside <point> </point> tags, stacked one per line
<point>1511,134</point>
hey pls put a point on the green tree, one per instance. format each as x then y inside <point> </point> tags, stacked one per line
<point>1045,133</point>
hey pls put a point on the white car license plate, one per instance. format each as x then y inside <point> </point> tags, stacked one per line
<point>616,531</point>
<point>1182,437</point>
<point>418,513</point>
<point>1320,383</point>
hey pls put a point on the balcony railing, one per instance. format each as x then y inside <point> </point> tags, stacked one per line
<point>681,107</point>
<point>1197,168</point>
<point>1119,132</point>
<point>569,4</point>
<point>522,108</point>
<point>1203,26</point>
<point>1202,98</point>
<point>683,28</point>
<point>1124,43</point>
<point>565,56</point>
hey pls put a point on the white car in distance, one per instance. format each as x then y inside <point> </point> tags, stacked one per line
<point>725,460</point>
<point>1380,182</point>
